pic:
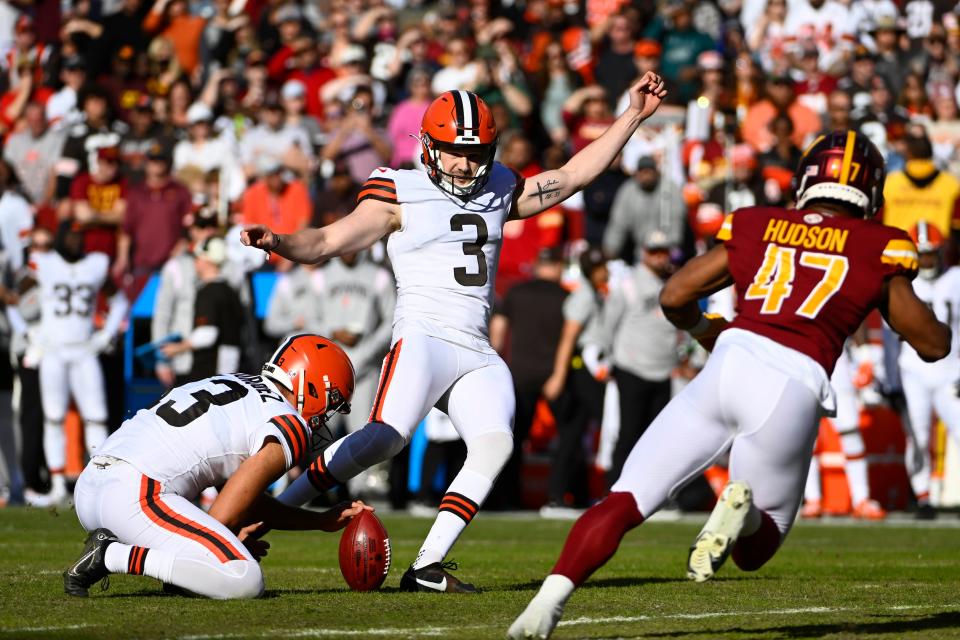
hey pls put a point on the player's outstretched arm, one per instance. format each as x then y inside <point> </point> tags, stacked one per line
<point>550,188</point>
<point>916,323</point>
<point>700,277</point>
<point>370,221</point>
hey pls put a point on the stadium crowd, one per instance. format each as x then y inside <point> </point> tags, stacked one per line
<point>154,130</point>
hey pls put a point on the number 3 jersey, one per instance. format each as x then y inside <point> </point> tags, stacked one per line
<point>445,253</point>
<point>68,295</point>
<point>198,434</point>
<point>807,280</point>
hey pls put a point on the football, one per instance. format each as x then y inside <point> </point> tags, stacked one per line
<point>365,552</point>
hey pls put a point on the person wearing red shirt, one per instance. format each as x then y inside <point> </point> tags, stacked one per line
<point>98,201</point>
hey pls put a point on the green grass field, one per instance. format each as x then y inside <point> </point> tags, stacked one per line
<point>828,581</point>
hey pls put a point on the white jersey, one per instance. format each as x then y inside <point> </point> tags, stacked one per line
<point>68,295</point>
<point>445,253</point>
<point>943,296</point>
<point>198,434</point>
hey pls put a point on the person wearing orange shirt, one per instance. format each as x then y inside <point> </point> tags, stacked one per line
<point>172,20</point>
<point>781,97</point>
<point>273,200</point>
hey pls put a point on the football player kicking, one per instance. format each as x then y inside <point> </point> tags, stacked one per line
<point>805,279</point>
<point>237,431</point>
<point>445,230</point>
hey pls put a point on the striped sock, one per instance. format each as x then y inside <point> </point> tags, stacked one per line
<point>457,509</point>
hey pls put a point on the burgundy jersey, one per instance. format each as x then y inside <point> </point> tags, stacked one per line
<point>807,280</point>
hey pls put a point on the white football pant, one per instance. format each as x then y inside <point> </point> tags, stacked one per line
<point>927,393</point>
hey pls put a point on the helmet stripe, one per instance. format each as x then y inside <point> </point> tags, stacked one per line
<point>474,111</point>
<point>282,348</point>
<point>847,157</point>
<point>468,100</point>
<point>458,105</point>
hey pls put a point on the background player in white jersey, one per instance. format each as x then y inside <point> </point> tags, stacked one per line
<point>931,387</point>
<point>236,430</point>
<point>69,283</point>
<point>445,230</point>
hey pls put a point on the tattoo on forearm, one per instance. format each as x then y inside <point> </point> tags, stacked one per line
<point>546,191</point>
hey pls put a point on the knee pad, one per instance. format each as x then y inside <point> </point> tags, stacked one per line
<point>242,580</point>
<point>488,453</point>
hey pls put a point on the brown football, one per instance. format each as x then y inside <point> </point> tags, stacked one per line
<point>365,553</point>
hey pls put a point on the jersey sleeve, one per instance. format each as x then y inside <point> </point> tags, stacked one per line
<point>379,186</point>
<point>726,229</point>
<point>292,433</point>
<point>899,256</point>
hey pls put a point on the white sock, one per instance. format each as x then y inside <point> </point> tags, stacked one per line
<point>125,558</point>
<point>58,483</point>
<point>856,465</point>
<point>556,589</point>
<point>812,490</point>
<point>94,434</point>
<point>54,445</point>
<point>457,509</point>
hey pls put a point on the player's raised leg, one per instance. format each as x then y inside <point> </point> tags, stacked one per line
<point>687,436</point>
<point>137,529</point>
<point>481,406</point>
<point>416,372</point>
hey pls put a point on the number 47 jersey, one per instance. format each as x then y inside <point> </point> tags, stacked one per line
<point>197,435</point>
<point>807,280</point>
<point>446,251</point>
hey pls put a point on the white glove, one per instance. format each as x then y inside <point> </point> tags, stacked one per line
<point>100,341</point>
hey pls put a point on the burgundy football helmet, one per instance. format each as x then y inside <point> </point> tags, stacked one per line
<point>843,166</point>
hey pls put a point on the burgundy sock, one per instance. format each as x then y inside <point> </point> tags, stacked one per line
<point>596,535</point>
<point>752,552</point>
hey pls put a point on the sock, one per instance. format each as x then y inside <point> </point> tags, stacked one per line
<point>457,509</point>
<point>94,434</point>
<point>54,445</point>
<point>753,551</point>
<point>812,490</point>
<point>58,482</point>
<point>140,561</point>
<point>556,589</point>
<point>596,535</point>
<point>856,465</point>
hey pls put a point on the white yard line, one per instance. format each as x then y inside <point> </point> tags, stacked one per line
<point>66,627</point>
<point>427,632</point>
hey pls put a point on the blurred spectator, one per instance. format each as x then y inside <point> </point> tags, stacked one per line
<point>171,19</point>
<point>780,162</point>
<point>176,294</point>
<point>574,394</point>
<point>143,135</point>
<point>33,153</point>
<point>97,201</point>
<point>935,62</point>
<point>163,67</point>
<point>295,303</point>
<point>556,82</point>
<point>767,36</point>
<point>882,109</point>
<point>459,71</point>
<point>81,34</point>
<point>839,108</point>
<point>891,60</point>
<point>615,64</point>
<point>814,85</point>
<point>645,203</point>
<point>922,192</point>
<point>27,57</point>
<point>406,118</point>
<point>205,152</point>
<point>123,28</point>
<point>640,343</point>
<point>293,98</point>
<point>97,130</point>
<point>825,24</point>
<point>913,98</point>
<point>215,338</point>
<point>356,139</point>
<point>682,44</point>
<point>526,328</point>
<point>288,19</point>
<point>524,239</point>
<point>411,53</point>
<point>338,198</point>
<point>780,98</point>
<point>273,200</point>
<point>123,82</point>
<point>219,34</point>
<point>305,67</point>
<point>857,83</point>
<point>16,221</point>
<point>288,145</point>
<point>598,198</point>
<point>62,106</point>
<point>153,225</point>
<point>586,115</point>
<point>745,186</point>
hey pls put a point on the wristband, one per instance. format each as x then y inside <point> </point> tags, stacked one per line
<point>703,324</point>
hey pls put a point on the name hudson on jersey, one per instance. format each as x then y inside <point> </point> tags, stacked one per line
<point>800,235</point>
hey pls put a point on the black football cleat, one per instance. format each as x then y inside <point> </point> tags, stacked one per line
<point>435,577</point>
<point>92,565</point>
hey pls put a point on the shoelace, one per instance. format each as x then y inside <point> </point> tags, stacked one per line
<point>449,565</point>
<point>105,583</point>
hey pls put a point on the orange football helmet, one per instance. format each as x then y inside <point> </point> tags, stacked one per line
<point>318,372</point>
<point>926,236</point>
<point>458,121</point>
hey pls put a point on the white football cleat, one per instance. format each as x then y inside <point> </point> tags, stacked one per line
<point>715,541</point>
<point>543,613</point>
